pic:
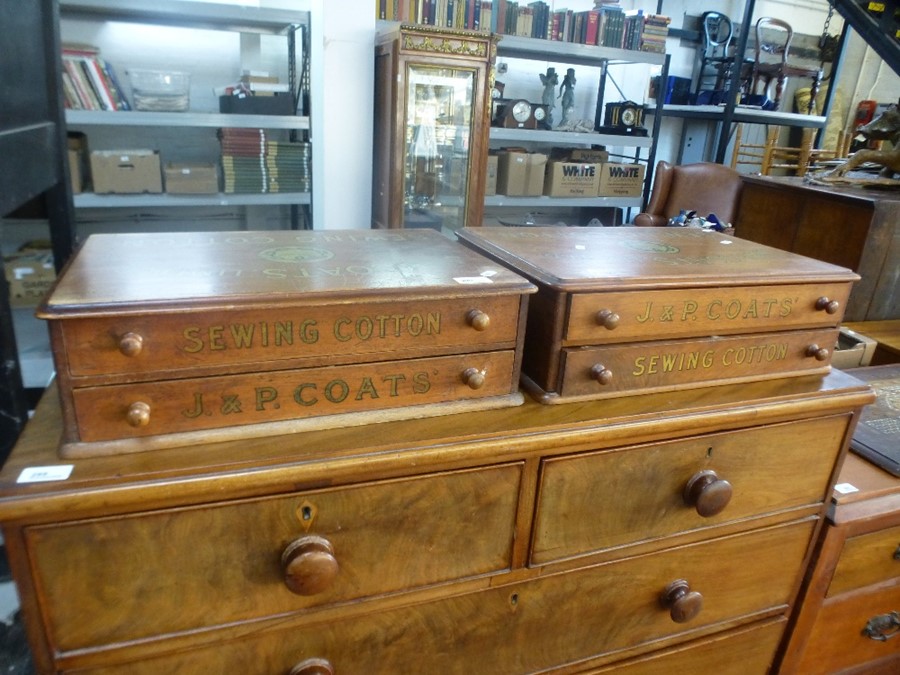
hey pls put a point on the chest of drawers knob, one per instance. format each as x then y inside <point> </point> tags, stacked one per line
<point>683,603</point>
<point>478,319</point>
<point>830,306</point>
<point>313,667</point>
<point>607,318</point>
<point>309,566</point>
<point>138,414</point>
<point>601,373</point>
<point>707,493</point>
<point>130,344</point>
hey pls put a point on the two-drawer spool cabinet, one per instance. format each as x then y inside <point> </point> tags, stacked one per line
<point>631,310</point>
<point>663,533</point>
<point>159,337</point>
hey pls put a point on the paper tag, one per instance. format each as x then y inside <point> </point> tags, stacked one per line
<point>468,281</point>
<point>43,474</point>
<point>846,488</point>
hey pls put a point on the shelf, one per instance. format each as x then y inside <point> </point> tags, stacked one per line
<point>745,115</point>
<point>76,118</point>
<point>556,202</point>
<point>89,200</point>
<point>570,52</point>
<point>568,137</point>
<point>203,15</point>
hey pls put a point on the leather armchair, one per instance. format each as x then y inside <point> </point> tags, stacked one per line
<point>703,187</point>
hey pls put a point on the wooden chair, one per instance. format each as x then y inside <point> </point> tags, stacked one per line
<point>771,156</point>
<point>703,187</point>
<point>773,39</point>
<point>715,61</point>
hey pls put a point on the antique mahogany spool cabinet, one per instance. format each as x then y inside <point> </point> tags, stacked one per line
<point>663,531</point>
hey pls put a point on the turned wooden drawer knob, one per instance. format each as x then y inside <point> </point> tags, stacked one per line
<point>473,378</point>
<point>313,667</point>
<point>707,493</point>
<point>683,603</point>
<point>131,344</point>
<point>601,373</point>
<point>138,414</point>
<point>830,306</point>
<point>309,565</point>
<point>478,319</point>
<point>820,353</point>
<point>607,318</point>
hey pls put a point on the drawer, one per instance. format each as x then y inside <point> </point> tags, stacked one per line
<point>744,651</point>
<point>867,559</point>
<point>531,625</point>
<point>112,580</point>
<point>170,406</point>
<point>598,501</point>
<point>599,318</point>
<point>143,346</point>
<point>838,639</point>
<point>647,366</point>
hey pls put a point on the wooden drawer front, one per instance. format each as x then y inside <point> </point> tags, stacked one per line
<point>867,559</point>
<point>116,579</point>
<point>347,333</point>
<point>647,366</point>
<point>598,501</point>
<point>838,639</point>
<point>103,413</point>
<point>689,312</point>
<point>528,626</point>
<point>736,652</point>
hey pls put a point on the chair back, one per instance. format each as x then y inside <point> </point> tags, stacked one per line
<point>704,187</point>
<point>717,32</point>
<point>773,36</point>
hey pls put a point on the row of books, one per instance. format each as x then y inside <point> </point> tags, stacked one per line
<point>607,25</point>
<point>89,82</point>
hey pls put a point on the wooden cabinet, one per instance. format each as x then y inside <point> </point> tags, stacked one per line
<point>849,613</point>
<point>562,538</point>
<point>850,227</point>
<point>431,125</point>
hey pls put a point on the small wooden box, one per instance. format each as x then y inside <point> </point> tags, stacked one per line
<point>633,310</point>
<point>160,337</point>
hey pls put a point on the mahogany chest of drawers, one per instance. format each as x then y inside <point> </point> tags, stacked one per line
<point>157,337</point>
<point>641,534</point>
<point>849,607</point>
<point>630,310</point>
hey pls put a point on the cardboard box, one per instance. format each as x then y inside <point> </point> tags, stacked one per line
<point>30,274</point>
<point>572,179</point>
<point>490,176</point>
<point>77,156</point>
<point>126,171</point>
<point>621,180</point>
<point>852,350</point>
<point>191,179</point>
<point>520,174</point>
<point>589,155</point>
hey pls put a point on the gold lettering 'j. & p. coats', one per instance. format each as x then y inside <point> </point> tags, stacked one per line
<point>160,336</point>
<point>631,310</point>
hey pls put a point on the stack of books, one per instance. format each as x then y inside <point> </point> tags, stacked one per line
<point>653,36</point>
<point>89,82</point>
<point>253,163</point>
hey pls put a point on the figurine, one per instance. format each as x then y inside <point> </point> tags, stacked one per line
<point>567,93</point>
<point>884,127</point>
<point>550,80</point>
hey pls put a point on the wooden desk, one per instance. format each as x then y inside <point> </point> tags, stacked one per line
<point>886,334</point>
<point>850,227</point>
